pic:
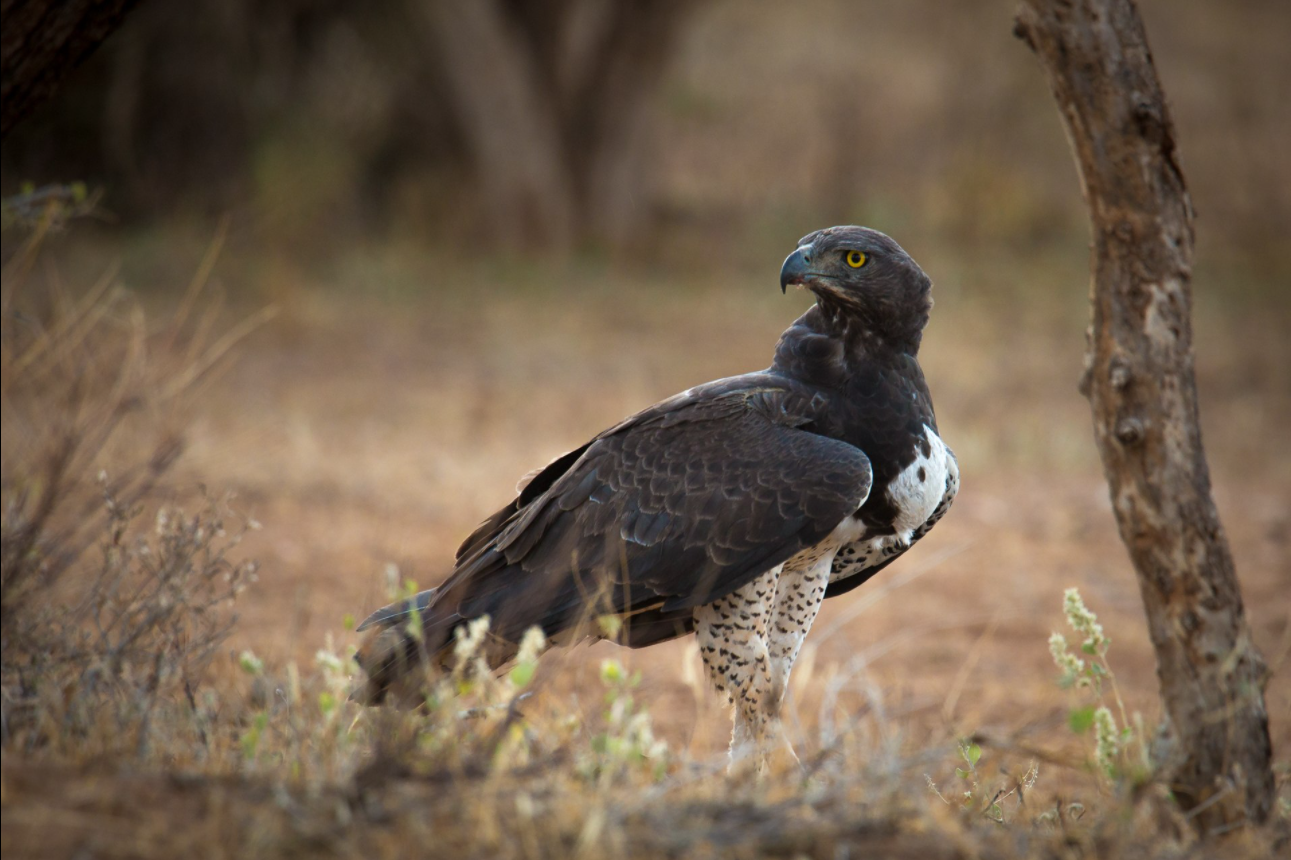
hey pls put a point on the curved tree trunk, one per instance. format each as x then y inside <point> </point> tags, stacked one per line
<point>43,40</point>
<point>1140,383</point>
<point>508,120</point>
<point>553,99</point>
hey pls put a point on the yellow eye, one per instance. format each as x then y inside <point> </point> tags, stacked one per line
<point>856,259</point>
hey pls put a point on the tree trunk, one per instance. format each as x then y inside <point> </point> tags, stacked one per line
<point>43,40</point>
<point>607,114</point>
<point>553,99</point>
<point>1215,754</point>
<point>508,120</point>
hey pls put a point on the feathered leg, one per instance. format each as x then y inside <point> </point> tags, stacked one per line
<point>732,635</point>
<point>799,595</point>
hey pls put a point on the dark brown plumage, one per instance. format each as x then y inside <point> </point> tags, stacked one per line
<point>826,465</point>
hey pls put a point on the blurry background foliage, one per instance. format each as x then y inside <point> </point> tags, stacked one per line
<point>686,133</point>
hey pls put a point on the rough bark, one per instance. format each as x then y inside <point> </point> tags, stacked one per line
<point>43,40</point>
<point>1139,379</point>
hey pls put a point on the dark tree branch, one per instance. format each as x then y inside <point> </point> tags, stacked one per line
<point>1140,383</point>
<point>43,40</point>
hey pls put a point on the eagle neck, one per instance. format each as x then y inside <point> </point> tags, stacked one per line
<point>868,334</point>
<point>830,344</point>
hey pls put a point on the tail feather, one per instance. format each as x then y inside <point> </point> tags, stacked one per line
<point>388,659</point>
<point>388,616</point>
<point>398,651</point>
<point>392,653</point>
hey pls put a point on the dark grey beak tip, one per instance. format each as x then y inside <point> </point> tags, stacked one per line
<point>794,271</point>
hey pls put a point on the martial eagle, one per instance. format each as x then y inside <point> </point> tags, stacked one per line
<point>731,510</point>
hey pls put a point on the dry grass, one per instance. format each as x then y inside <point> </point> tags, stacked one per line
<point>368,431</point>
<point>114,600</point>
<point>401,391</point>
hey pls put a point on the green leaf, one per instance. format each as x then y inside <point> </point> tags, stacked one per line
<point>972,753</point>
<point>413,625</point>
<point>347,621</point>
<point>250,663</point>
<point>1080,719</point>
<point>961,773</point>
<point>612,672</point>
<point>251,738</point>
<point>522,673</point>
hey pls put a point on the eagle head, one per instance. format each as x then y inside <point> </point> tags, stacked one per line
<point>864,275</point>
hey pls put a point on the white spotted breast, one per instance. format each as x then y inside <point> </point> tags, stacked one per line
<point>918,489</point>
<point>921,494</point>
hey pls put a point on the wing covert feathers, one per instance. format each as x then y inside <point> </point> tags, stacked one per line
<point>671,509</point>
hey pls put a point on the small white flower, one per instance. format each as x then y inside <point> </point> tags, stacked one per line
<point>329,662</point>
<point>1106,740</point>
<point>1068,663</point>
<point>1082,620</point>
<point>469,639</point>
<point>250,663</point>
<point>531,645</point>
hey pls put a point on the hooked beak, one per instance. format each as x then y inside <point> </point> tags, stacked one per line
<point>796,268</point>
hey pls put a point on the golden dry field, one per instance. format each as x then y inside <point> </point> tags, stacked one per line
<point>367,430</point>
<point>378,433</point>
<point>303,347</point>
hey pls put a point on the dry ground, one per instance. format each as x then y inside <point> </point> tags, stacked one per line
<point>398,395</point>
<point>370,433</point>
<point>373,426</point>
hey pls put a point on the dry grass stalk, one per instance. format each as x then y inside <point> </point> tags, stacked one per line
<point>110,605</point>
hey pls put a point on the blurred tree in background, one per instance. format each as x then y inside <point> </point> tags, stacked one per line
<point>552,98</point>
<point>577,123</point>
<point>542,102</point>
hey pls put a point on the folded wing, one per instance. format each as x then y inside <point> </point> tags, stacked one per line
<point>672,509</point>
